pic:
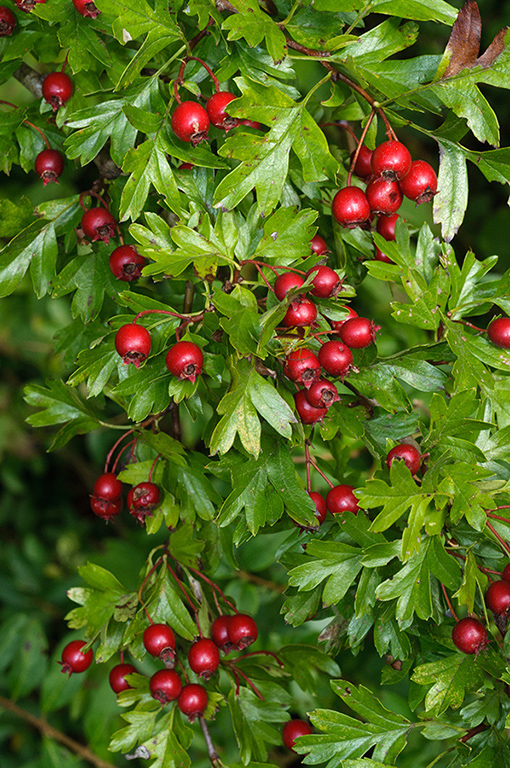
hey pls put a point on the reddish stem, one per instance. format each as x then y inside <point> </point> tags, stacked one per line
<point>38,131</point>
<point>211,584</point>
<point>131,445</point>
<point>504,506</point>
<point>358,148</point>
<point>470,325</point>
<point>264,278</point>
<point>153,466</point>
<point>187,318</point>
<point>341,124</point>
<point>321,473</point>
<point>110,454</point>
<point>144,582</point>
<point>208,69</point>
<point>271,267</point>
<point>473,732</point>
<point>499,538</point>
<point>450,606</point>
<point>497,517</point>
<point>480,567</point>
<point>307,460</point>
<point>183,670</point>
<point>188,599</point>
<point>9,104</point>
<point>252,686</point>
<point>257,653</point>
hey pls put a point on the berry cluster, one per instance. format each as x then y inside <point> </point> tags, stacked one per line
<point>469,635</point>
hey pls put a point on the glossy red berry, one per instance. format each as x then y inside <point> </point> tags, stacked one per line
<point>74,659</point>
<point>321,509</point>
<point>341,499</point>
<point>159,641</point>
<point>126,264</point>
<point>190,122</point>
<point>204,657</point>
<point>108,486</point>
<point>302,367</point>
<point>420,184</point>
<point>7,21</point>
<point>285,282</point>
<point>358,332</point>
<point>165,685</point>
<point>219,633</point>
<point>337,324</point>
<point>335,358</point>
<point>98,224</point>
<point>193,701</point>
<point>117,677</point>
<point>497,597</point>
<point>391,159</point>
<point>106,508</point>
<point>49,165</point>
<point>380,256</point>
<point>292,730</point>
<point>384,197</point>
<point>506,572</point>
<point>86,8</point>
<point>142,500</point>
<point>386,226</point>
<point>57,88</point>
<point>302,311</point>
<point>406,453</point>
<point>469,635</point>
<point>185,360</point>
<point>351,208</point>
<point>318,245</point>
<point>217,110</point>
<point>363,167</point>
<point>242,630</point>
<point>306,412</point>
<point>499,332</point>
<point>133,343</point>
<point>326,282</point>
<point>322,394</point>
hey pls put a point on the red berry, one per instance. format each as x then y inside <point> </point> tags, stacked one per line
<point>86,8</point>
<point>380,256</point>
<point>133,343</point>
<point>216,109</point>
<point>117,677</point>
<point>337,324</point>
<point>386,226</point>
<point>321,509</point>
<point>406,453</point>
<point>185,167</point>
<point>242,630</point>
<point>193,701</point>
<point>318,245</point>
<point>49,165</point>
<point>250,124</point>
<point>57,88</point>
<point>499,332</point>
<point>358,332</point>
<point>204,658</point>
<point>497,597</point>
<point>384,197</point>
<point>326,282</point>
<point>351,208</point>
<point>105,508</point>
<point>73,658</point>
<point>335,358</point>
<point>190,122</point>
<point>165,685</point>
<point>219,633</point>
<point>391,160</point>
<point>7,21</point>
<point>185,360</point>
<point>126,264</point>
<point>142,500</point>
<point>306,412</point>
<point>363,167</point>
<point>420,184</point>
<point>98,224</point>
<point>506,572</point>
<point>159,641</point>
<point>469,635</point>
<point>108,486</point>
<point>302,311</point>
<point>302,367</point>
<point>285,282</point>
<point>322,394</point>
<point>27,5</point>
<point>341,499</point>
<point>292,730</point>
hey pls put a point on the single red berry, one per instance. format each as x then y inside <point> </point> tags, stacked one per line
<point>219,633</point>
<point>185,360</point>
<point>106,508</point>
<point>165,685</point>
<point>306,412</point>
<point>133,343</point>
<point>420,184</point>
<point>193,701</point>
<point>217,110</point>
<point>335,358</point>
<point>322,394</point>
<point>285,282</point>
<point>185,167</point>
<point>302,311</point>
<point>142,500</point>
<point>406,453</point>
<point>49,165</point>
<point>506,572</point>
<point>159,641</point>
<point>321,509</point>
<point>351,208</point>
<point>380,256</point>
<point>242,630</point>
<point>341,499</point>
<point>326,282</point>
<point>7,21</point>
<point>363,167</point>
<point>126,264</point>
<point>292,730</point>
<point>98,224</point>
<point>86,8</point>
<point>469,635</point>
<point>497,597</point>
<point>386,226</point>
<point>302,367</point>
<point>204,658</point>
<point>117,677</point>
<point>391,159</point>
<point>108,486</point>
<point>250,124</point>
<point>337,324</point>
<point>384,197</point>
<point>318,245</point>
<point>27,5</point>
<point>73,658</point>
<point>190,122</point>
<point>358,332</point>
<point>57,88</point>
<point>499,332</point>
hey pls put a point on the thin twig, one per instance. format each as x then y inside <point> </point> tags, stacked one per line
<point>211,751</point>
<point>499,538</point>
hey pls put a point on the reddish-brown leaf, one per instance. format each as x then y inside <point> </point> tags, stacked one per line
<point>464,43</point>
<point>493,51</point>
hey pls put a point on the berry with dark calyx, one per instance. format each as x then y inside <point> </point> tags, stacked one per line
<point>306,412</point>
<point>321,509</point>
<point>185,360</point>
<point>242,630</point>
<point>117,677</point>
<point>292,730</point>
<point>335,358</point>
<point>408,454</point>
<point>322,394</point>
<point>386,226</point>
<point>302,311</point>
<point>384,197</point>
<point>27,5</point>
<point>391,159</point>
<point>49,165</point>
<point>380,256</point>
<point>341,499</point>
<point>497,597</point>
<point>506,573</point>
<point>98,224</point>
<point>499,332</point>
<point>351,208</point>
<point>358,332</point>
<point>86,8</point>
<point>108,486</point>
<point>126,264</point>
<point>318,245</point>
<point>363,167</point>
<point>469,635</point>
<point>142,500</point>
<point>285,282</point>
<point>57,88</point>
<point>219,633</point>
<point>190,122</point>
<point>302,367</point>
<point>165,685</point>
<point>133,343</point>
<point>106,508</point>
<point>159,641</point>
<point>73,658</point>
<point>204,657</point>
<point>420,184</point>
<point>193,701</point>
<point>7,21</point>
<point>326,282</point>
<point>217,110</point>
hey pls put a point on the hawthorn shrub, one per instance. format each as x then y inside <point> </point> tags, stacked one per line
<point>285,521</point>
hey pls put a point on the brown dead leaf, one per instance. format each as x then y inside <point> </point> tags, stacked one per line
<point>464,43</point>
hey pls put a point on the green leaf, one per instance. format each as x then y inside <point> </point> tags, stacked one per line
<point>338,563</point>
<point>451,679</point>
<point>450,203</point>
<point>252,24</point>
<point>35,246</point>
<point>90,276</point>
<point>148,165</point>
<point>287,235</point>
<point>60,405</point>
<point>82,42</point>
<point>252,719</point>
<point>96,125</point>
<point>133,18</point>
